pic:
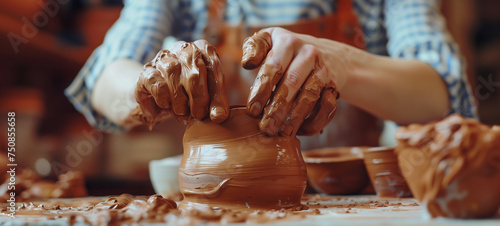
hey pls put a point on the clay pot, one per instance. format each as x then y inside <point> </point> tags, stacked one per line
<point>385,174</point>
<point>336,171</point>
<point>233,165</point>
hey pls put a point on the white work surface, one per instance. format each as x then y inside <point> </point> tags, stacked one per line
<point>407,213</point>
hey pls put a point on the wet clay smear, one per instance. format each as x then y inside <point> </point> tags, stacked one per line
<point>129,209</point>
<point>29,186</point>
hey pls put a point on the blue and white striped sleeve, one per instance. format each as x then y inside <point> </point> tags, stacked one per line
<point>138,34</point>
<point>416,30</point>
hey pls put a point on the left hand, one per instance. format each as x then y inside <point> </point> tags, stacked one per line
<point>295,88</point>
<point>185,82</point>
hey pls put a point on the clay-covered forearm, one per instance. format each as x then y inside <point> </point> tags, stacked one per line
<point>113,92</point>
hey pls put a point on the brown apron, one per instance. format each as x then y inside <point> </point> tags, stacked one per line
<point>350,126</point>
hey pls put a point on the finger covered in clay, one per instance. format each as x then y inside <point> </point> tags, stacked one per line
<point>194,79</point>
<point>323,112</point>
<point>219,104</point>
<point>302,106</point>
<point>255,49</point>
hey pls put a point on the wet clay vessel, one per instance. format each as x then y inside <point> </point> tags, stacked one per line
<point>336,171</point>
<point>385,174</point>
<point>233,165</point>
<point>453,166</point>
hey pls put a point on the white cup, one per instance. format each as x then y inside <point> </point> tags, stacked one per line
<point>164,175</point>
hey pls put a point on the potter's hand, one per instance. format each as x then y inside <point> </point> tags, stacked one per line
<point>305,98</point>
<point>185,82</point>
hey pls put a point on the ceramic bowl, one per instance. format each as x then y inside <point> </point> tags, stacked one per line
<point>336,171</point>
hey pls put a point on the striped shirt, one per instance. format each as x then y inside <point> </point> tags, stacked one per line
<point>411,29</point>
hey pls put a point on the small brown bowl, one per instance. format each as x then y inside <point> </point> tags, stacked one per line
<point>336,171</point>
<point>385,175</point>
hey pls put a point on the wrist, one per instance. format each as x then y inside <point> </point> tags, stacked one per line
<point>113,94</point>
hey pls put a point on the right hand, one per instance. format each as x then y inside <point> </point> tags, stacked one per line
<point>295,90</point>
<point>185,82</point>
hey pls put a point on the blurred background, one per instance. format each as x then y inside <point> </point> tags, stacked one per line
<point>53,137</point>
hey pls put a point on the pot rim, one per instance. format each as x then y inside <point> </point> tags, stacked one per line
<point>343,154</point>
<point>380,155</point>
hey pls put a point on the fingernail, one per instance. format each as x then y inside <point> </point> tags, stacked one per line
<point>286,130</point>
<point>218,111</point>
<point>255,109</point>
<point>218,114</point>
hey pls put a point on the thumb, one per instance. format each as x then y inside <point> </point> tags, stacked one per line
<point>255,49</point>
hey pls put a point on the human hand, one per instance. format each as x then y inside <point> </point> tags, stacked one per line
<point>185,82</point>
<point>294,89</point>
